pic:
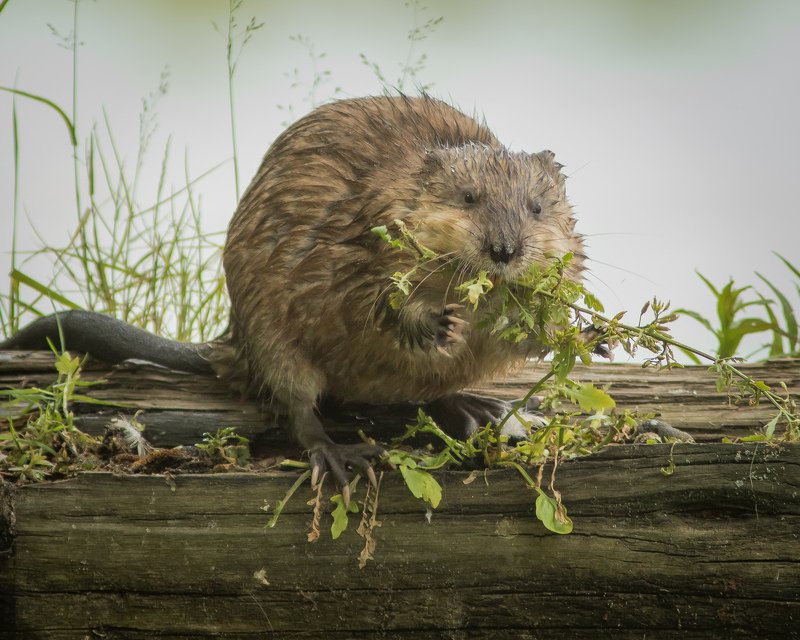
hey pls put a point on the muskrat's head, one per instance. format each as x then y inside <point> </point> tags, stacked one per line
<point>495,210</point>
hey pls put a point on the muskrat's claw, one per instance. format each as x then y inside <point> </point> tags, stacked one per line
<point>335,459</point>
<point>602,348</point>
<point>450,328</point>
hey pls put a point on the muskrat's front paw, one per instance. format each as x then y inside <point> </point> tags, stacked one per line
<point>449,328</point>
<point>336,459</point>
<point>603,348</point>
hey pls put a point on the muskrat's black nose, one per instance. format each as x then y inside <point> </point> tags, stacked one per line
<point>501,253</point>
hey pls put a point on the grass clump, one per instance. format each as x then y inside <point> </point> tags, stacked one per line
<point>48,443</point>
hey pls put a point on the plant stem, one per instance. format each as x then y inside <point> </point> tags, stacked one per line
<point>75,162</point>
<point>662,337</point>
<point>524,401</point>
<point>231,72</point>
<point>13,320</point>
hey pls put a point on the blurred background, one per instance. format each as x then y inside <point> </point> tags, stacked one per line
<point>677,121</point>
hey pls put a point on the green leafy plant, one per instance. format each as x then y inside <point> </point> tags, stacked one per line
<point>787,332</point>
<point>731,327</point>
<point>144,259</point>
<point>568,320</point>
<point>48,442</point>
<point>227,445</point>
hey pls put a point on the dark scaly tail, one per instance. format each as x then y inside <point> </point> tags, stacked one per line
<point>110,340</point>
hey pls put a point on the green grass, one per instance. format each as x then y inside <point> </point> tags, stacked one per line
<point>137,251</point>
<point>732,325</point>
<point>48,441</point>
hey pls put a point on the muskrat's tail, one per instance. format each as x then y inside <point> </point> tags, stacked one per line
<point>110,340</point>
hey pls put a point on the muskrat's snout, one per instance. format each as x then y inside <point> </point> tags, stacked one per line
<point>502,252</point>
<point>497,211</point>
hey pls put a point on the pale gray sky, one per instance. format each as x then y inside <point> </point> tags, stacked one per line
<point>677,121</point>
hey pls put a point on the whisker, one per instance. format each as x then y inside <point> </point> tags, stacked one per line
<point>618,233</point>
<point>589,274</point>
<point>628,271</point>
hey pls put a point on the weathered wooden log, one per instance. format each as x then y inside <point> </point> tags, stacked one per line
<point>710,551</point>
<point>179,407</point>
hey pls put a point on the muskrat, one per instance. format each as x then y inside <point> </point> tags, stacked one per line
<point>309,280</point>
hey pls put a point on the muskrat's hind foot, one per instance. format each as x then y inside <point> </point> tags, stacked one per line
<point>326,456</point>
<point>461,414</point>
<point>329,457</point>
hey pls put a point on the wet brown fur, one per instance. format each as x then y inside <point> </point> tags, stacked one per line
<point>309,281</point>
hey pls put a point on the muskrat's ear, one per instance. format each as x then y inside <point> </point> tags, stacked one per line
<point>553,168</point>
<point>434,162</point>
<point>434,159</point>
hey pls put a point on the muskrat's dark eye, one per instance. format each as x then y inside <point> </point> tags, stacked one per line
<point>536,208</point>
<point>469,197</point>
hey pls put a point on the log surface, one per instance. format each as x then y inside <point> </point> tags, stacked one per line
<point>711,551</point>
<point>177,408</point>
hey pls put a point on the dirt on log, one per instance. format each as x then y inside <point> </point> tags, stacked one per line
<point>711,549</point>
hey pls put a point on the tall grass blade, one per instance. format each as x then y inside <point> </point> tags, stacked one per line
<point>789,265</point>
<point>55,296</point>
<point>13,312</point>
<point>72,135</point>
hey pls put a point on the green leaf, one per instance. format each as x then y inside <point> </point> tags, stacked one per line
<point>732,336</point>
<point>591,399</point>
<point>422,484</point>
<point>72,137</point>
<point>18,276</point>
<point>552,514</point>
<point>67,366</point>
<point>282,503</point>
<point>776,347</point>
<point>564,361</point>
<point>696,316</point>
<point>340,517</point>
<point>789,265</point>
<point>769,428</point>
<point>708,284</point>
<point>761,385</point>
<point>592,301</point>
<point>670,468</point>
<point>475,289</point>
<point>383,233</point>
<point>758,437</point>
<point>788,312</point>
